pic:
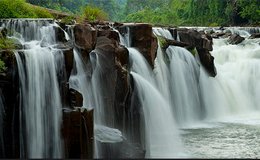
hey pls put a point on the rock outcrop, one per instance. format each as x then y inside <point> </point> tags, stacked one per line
<point>142,38</point>
<point>203,43</point>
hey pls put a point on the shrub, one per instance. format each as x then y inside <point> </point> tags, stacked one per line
<point>6,43</point>
<point>91,13</point>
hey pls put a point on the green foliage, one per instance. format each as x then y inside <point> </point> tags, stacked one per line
<point>20,9</point>
<point>93,13</point>
<point>68,20</point>
<point>164,12</point>
<point>250,9</point>
<point>2,66</point>
<point>6,43</point>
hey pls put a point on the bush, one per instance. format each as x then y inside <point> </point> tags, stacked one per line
<point>6,43</point>
<point>91,14</point>
<point>21,9</point>
<point>2,66</point>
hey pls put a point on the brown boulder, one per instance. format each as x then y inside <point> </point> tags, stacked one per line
<point>195,39</point>
<point>143,39</point>
<point>235,39</point>
<point>85,37</point>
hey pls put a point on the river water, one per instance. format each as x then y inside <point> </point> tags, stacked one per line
<point>233,129</point>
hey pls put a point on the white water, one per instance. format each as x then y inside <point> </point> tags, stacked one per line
<point>161,134</point>
<point>40,97</point>
<point>79,80</point>
<point>238,77</point>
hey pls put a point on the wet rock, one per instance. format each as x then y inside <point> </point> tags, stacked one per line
<point>9,85</point>
<point>143,39</point>
<point>77,131</point>
<point>254,35</point>
<point>109,34</point>
<point>235,39</point>
<point>217,34</point>
<point>195,39</point>
<point>207,60</point>
<point>173,32</point>
<point>85,37</point>
<point>165,43</point>
<point>60,35</point>
<point>69,60</point>
<point>117,24</point>
<point>122,55</point>
<point>76,98</point>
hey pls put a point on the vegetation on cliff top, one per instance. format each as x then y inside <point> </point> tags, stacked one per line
<point>21,9</point>
<point>168,12</point>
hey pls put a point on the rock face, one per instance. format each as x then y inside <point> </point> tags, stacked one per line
<point>142,38</point>
<point>77,131</point>
<point>203,43</point>
<point>235,39</point>
<point>9,85</point>
<point>85,37</point>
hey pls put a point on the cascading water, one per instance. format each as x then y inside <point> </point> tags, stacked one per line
<point>161,134</point>
<point>178,73</point>
<point>41,108</point>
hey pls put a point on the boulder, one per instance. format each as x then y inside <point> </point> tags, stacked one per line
<point>254,35</point>
<point>195,39</point>
<point>143,39</point>
<point>203,43</point>
<point>85,37</point>
<point>235,39</point>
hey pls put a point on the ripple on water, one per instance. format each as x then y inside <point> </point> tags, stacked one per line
<point>228,140</point>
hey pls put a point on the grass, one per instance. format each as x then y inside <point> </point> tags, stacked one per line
<point>91,13</point>
<point>21,9</point>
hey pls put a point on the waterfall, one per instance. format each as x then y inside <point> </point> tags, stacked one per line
<point>236,87</point>
<point>40,108</point>
<point>2,114</point>
<point>161,134</point>
<point>178,79</point>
